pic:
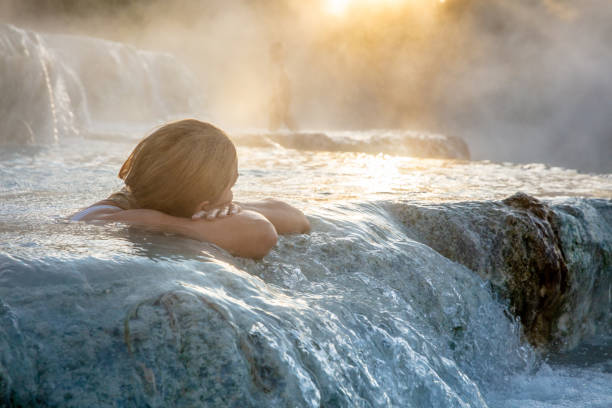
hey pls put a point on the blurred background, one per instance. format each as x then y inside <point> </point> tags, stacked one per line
<point>520,81</point>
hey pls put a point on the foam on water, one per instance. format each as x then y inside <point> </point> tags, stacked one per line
<point>555,386</point>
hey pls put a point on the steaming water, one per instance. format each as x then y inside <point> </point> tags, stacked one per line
<point>354,314</point>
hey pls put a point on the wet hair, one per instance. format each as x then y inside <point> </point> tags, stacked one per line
<point>180,165</point>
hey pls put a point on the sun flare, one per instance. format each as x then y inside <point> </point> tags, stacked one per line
<point>341,7</point>
<point>336,7</point>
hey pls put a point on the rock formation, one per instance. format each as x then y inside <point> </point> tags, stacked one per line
<point>544,259</point>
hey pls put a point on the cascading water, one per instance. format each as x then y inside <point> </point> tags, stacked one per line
<point>61,86</point>
<point>404,294</point>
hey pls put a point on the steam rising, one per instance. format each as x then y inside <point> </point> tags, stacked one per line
<point>519,81</point>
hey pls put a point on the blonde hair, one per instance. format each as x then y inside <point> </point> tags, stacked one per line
<point>180,165</point>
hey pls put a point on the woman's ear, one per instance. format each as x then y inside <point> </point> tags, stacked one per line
<point>200,210</point>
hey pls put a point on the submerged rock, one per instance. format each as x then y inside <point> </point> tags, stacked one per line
<point>354,314</point>
<point>393,142</point>
<point>551,261</point>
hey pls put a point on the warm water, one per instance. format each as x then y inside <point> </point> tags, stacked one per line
<point>354,314</point>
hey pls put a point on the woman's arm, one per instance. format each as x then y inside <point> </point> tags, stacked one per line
<point>285,218</point>
<point>247,234</point>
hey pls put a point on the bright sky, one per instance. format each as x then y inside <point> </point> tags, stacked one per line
<point>339,7</point>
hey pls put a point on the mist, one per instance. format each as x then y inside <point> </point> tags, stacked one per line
<point>521,81</point>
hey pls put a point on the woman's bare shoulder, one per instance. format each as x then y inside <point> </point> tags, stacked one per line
<point>286,218</point>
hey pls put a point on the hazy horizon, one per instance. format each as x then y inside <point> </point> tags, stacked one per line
<point>522,82</point>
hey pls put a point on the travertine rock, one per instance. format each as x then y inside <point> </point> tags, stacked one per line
<point>530,256</point>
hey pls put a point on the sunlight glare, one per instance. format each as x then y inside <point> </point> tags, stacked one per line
<point>341,7</point>
<point>336,7</point>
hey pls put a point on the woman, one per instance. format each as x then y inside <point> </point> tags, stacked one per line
<point>180,178</point>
